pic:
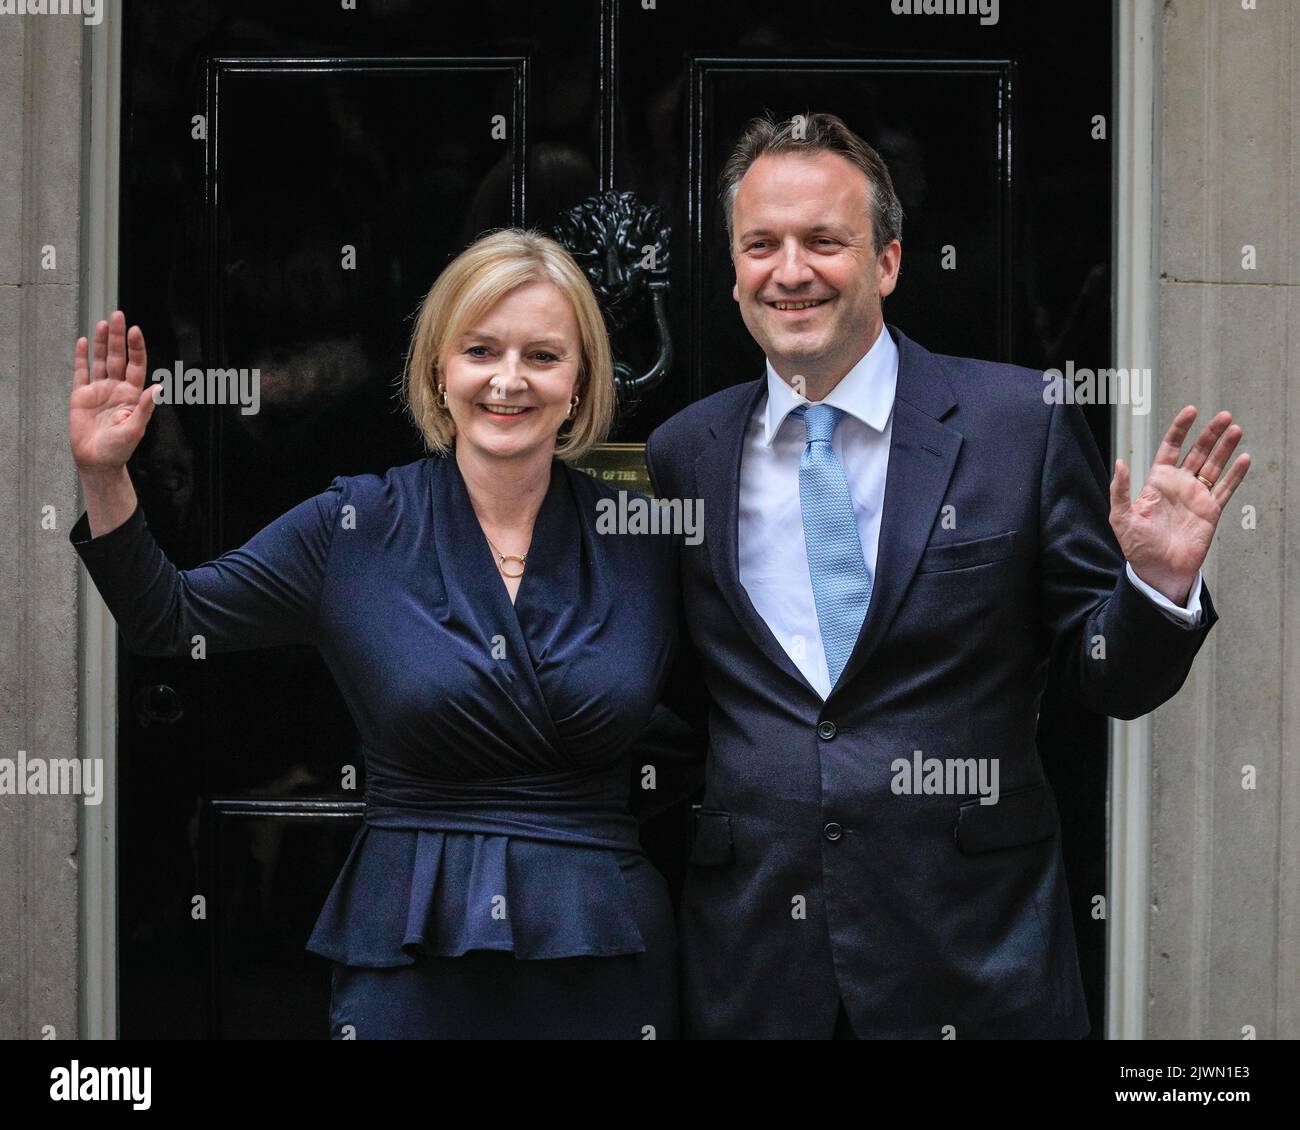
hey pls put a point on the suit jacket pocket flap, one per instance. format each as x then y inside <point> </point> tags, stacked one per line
<point>1020,817</point>
<point>712,846</point>
<point>965,554</point>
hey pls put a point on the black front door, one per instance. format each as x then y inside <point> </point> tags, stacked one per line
<point>294,178</point>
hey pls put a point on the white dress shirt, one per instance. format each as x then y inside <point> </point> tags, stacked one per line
<point>773,557</point>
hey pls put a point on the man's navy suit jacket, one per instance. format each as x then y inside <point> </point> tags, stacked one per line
<point>810,878</point>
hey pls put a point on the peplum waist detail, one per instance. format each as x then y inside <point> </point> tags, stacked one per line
<point>526,865</point>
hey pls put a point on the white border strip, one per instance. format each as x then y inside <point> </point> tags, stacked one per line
<point>1136,139</point>
<point>102,68</point>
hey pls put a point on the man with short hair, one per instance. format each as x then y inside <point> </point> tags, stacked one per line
<point>899,549</point>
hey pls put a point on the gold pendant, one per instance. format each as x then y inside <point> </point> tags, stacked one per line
<point>504,557</point>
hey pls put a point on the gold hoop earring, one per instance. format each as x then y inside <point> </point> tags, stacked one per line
<point>442,397</point>
<point>573,404</point>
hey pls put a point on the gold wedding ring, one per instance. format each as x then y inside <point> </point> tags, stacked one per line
<point>1208,485</point>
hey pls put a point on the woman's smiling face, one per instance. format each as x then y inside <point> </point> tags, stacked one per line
<point>509,377</point>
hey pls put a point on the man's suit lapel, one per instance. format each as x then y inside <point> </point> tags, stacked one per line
<point>717,471</point>
<point>922,454</point>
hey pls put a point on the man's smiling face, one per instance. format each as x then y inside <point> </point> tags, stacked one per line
<point>808,283</point>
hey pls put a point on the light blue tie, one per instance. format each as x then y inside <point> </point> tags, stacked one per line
<point>841,581</point>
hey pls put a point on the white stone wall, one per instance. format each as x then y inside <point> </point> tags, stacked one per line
<point>1224,940</point>
<point>41,137</point>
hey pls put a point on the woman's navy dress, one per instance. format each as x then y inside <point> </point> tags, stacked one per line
<point>497,887</point>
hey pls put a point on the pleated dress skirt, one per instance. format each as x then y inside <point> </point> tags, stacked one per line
<point>494,995</point>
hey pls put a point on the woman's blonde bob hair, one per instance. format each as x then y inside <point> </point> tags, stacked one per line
<point>470,285</point>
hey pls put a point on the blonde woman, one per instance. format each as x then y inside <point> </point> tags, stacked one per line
<point>498,655</point>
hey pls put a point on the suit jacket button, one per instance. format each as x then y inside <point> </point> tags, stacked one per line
<point>832,831</point>
<point>825,730</point>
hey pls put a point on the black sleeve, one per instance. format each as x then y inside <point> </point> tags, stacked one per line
<point>670,752</point>
<point>1112,648</point>
<point>263,594</point>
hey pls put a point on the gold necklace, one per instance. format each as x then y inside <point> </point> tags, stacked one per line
<point>502,558</point>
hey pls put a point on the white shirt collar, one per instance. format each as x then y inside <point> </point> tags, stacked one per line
<point>866,391</point>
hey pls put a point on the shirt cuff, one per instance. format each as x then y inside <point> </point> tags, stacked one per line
<point>1189,617</point>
